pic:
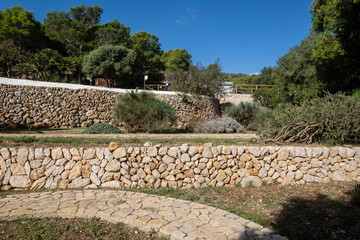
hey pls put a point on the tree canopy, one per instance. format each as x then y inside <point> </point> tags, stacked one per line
<point>113,63</point>
<point>75,29</point>
<point>178,58</point>
<point>296,74</point>
<point>337,51</point>
<point>148,51</point>
<point>114,33</point>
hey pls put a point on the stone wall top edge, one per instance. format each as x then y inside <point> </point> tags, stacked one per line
<point>32,83</point>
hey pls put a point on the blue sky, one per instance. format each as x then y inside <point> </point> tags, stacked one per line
<point>245,34</point>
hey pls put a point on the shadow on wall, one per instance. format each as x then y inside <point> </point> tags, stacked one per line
<point>318,218</point>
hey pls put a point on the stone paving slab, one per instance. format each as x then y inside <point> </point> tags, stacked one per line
<point>177,219</point>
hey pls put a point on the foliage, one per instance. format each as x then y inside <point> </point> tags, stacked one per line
<point>268,97</point>
<point>20,36</point>
<point>176,59</point>
<point>141,111</point>
<point>265,77</point>
<point>114,33</point>
<point>110,62</point>
<point>47,62</point>
<point>332,119</point>
<point>356,92</point>
<point>25,71</point>
<point>244,113</point>
<point>102,128</point>
<point>19,26</point>
<point>296,75</point>
<point>148,57</point>
<point>338,47</point>
<point>233,77</point>
<point>219,125</point>
<point>198,80</point>
<point>75,29</point>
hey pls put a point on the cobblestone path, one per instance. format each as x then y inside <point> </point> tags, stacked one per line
<point>178,219</point>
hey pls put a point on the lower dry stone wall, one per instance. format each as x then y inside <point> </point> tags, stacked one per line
<point>177,167</point>
<point>40,104</point>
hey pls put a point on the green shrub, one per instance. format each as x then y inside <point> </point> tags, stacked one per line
<point>102,128</point>
<point>356,93</point>
<point>219,125</point>
<point>143,112</point>
<point>268,97</point>
<point>244,113</point>
<point>332,119</point>
<point>355,196</point>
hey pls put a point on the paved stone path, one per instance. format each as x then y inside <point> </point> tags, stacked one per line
<point>178,219</point>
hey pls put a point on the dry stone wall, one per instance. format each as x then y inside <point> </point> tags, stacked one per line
<point>235,98</point>
<point>177,167</point>
<point>69,105</point>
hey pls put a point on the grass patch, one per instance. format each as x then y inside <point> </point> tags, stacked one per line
<point>77,228</point>
<point>84,142</point>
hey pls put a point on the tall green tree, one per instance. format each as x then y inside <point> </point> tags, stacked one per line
<point>265,76</point>
<point>178,58</point>
<point>114,33</point>
<point>148,60</point>
<point>113,63</point>
<point>75,29</point>
<point>338,45</point>
<point>296,75</point>
<point>20,37</point>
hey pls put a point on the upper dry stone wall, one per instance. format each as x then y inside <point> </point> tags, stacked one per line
<point>27,103</point>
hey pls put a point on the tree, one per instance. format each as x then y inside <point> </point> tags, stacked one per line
<point>75,29</point>
<point>296,74</point>
<point>67,67</point>
<point>47,61</point>
<point>20,37</point>
<point>148,60</point>
<point>111,63</point>
<point>338,45</point>
<point>265,76</point>
<point>198,80</point>
<point>25,70</point>
<point>178,58</point>
<point>19,26</point>
<point>114,33</point>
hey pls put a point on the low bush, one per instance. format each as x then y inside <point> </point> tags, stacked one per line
<point>333,119</point>
<point>245,113</point>
<point>102,128</point>
<point>141,111</point>
<point>268,97</point>
<point>219,125</point>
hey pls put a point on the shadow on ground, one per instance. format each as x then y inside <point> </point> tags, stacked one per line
<point>318,218</point>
